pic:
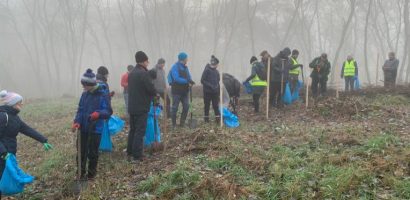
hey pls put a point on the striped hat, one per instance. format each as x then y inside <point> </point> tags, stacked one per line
<point>9,98</point>
<point>88,78</point>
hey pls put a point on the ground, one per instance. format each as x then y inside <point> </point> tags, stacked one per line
<point>354,147</point>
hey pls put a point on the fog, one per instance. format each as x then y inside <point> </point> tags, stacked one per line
<point>45,45</point>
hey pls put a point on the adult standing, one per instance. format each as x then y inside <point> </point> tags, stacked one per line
<point>390,70</point>
<point>321,70</point>
<point>279,76</point>
<point>180,81</point>
<point>295,70</point>
<point>349,73</point>
<point>258,85</point>
<point>210,82</point>
<point>124,85</point>
<point>141,92</point>
<point>160,84</point>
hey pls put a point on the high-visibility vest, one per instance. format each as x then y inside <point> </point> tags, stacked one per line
<point>349,68</point>
<point>295,71</point>
<point>256,81</point>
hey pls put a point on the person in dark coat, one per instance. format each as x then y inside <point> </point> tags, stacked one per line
<point>258,85</point>
<point>180,80</point>
<point>233,86</point>
<point>141,92</point>
<point>320,71</point>
<point>93,109</point>
<point>279,75</point>
<point>11,124</point>
<point>210,82</point>
<point>390,70</point>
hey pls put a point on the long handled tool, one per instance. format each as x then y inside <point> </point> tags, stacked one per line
<point>79,183</point>
<point>192,122</point>
<point>268,89</point>
<point>221,97</point>
<point>165,124</point>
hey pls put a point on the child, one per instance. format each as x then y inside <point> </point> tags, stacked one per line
<point>210,82</point>
<point>11,124</point>
<point>93,109</point>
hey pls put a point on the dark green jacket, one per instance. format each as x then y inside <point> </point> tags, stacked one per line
<point>321,69</point>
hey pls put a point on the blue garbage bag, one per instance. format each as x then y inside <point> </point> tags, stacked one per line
<point>248,87</point>
<point>153,132</point>
<point>105,143</point>
<point>14,179</point>
<point>230,119</point>
<point>115,125</point>
<point>287,96</point>
<point>356,83</point>
<point>295,95</point>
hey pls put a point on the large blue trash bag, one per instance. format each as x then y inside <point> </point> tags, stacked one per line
<point>230,119</point>
<point>115,125</point>
<point>14,179</point>
<point>287,96</point>
<point>356,83</point>
<point>105,143</point>
<point>150,135</point>
<point>295,95</point>
<point>248,87</point>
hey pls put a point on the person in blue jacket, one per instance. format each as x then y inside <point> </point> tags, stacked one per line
<point>180,80</point>
<point>10,125</point>
<point>94,107</point>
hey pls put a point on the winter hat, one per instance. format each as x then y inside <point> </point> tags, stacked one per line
<point>214,60</point>
<point>102,70</point>
<point>253,59</point>
<point>286,51</point>
<point>88,78</point>
<point>140,57</point>
<point>182,56</point>
<point>10,98</point>
<point>161,61</point>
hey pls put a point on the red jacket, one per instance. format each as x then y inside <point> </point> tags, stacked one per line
<point>124,82</point>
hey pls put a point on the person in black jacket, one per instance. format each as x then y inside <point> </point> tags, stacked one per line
<point>141,92</point>
<point>210,82</point>
<point>279,74</point>
<point>11,124</point>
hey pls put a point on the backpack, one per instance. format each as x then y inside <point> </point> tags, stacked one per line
<point>261,71</point>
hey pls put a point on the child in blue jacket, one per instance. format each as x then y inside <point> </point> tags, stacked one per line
<point>93,109</point>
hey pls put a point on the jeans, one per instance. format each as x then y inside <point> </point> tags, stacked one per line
<point>214,98</point>
<point>176,99</point>
<point>349,83</point>
<point>293,80</point>
<point>138,125</point>
<point>90,142</point>
<point>126,103</point>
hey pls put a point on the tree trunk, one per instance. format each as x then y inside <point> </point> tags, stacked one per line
<point>366,27</point>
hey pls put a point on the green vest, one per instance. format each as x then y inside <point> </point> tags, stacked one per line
<point>256,81</point>
<point>295,71</point>
<point>349,68</point>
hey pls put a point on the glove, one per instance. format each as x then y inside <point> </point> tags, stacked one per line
<point>5,156</point>
<point>94,116</point>
<point>75,126</point>
<point>47,146</point>
<point>112,93</point>
<point>191,82</point>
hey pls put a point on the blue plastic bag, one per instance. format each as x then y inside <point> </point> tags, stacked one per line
<point>248,87</point>
<point>287,96</point>
<point>295,95</point>
<point>230,119</point>
<point>153,132</point>
<point>14,179</point>
<point>105,143</point>
<point>115,125</point>
<point>356,83</point>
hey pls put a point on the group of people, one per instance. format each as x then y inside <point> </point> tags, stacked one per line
<point>285,68</point>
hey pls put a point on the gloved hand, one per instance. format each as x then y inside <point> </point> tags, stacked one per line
<point>47,146</point>
<point>112,93</point>
<point>191,82</point>
<point>5,156</point>
<point>75,126</point>
<point>94,116</point>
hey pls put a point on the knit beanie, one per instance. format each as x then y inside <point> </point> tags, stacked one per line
<point>182,56</point>
<point>253,59</point>
<point>214,60</point>
<point>9,98</point>
<point>140,57</point>
<point>88,78</point>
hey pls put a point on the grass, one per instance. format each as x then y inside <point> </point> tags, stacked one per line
<point>288,158</point>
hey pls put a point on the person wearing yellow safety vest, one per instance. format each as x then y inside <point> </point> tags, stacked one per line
<point>295,70</point>
<point>349,73</point>
<point>258,85</point>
